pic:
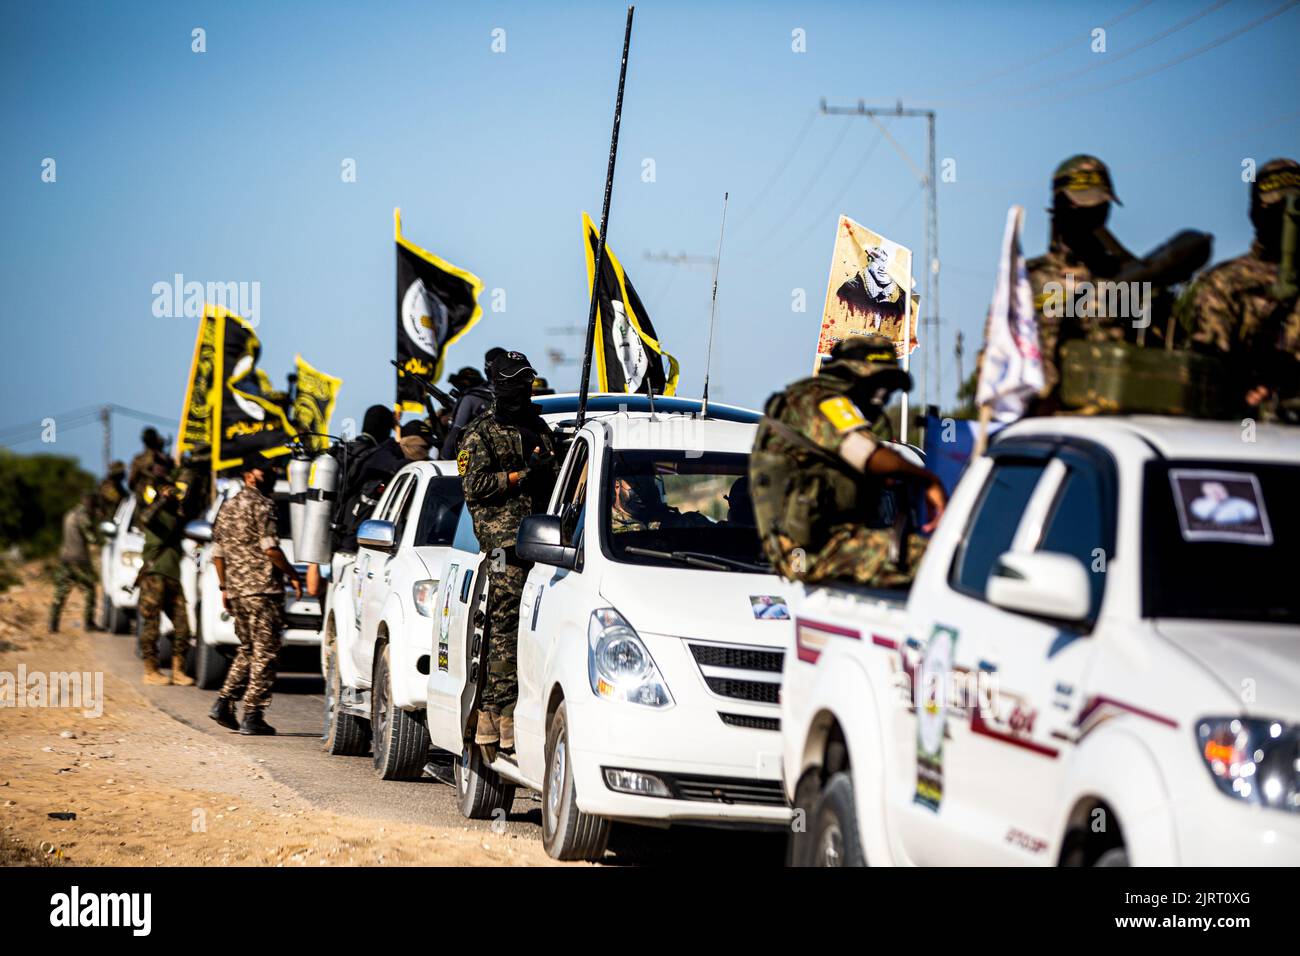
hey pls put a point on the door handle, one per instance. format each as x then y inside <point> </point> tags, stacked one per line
<point>988,667</point>
<point>369,575</point>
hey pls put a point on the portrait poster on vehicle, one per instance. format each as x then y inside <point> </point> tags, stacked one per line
<point>865,294</point>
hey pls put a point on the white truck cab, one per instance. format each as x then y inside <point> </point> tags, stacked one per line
<point>1098,662</point>
<point>651,636</point>
<point>376,666</point>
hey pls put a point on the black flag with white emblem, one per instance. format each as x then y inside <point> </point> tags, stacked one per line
<point>437,303</point>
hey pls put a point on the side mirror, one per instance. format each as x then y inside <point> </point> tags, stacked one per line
<point>376,534</point>
<point>108,528</point>
<point>199,530</point>
<point>1041,583</point>
<point>540,541</point>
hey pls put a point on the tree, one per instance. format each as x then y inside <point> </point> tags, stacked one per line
<point>35,493</point>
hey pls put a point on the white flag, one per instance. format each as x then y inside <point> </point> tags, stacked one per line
<point>1012,369</point>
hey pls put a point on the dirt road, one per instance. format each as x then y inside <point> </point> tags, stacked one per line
<point>152,781</point>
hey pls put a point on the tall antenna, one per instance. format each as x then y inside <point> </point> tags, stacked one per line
<point>713,309</point>
<point>585,383</point>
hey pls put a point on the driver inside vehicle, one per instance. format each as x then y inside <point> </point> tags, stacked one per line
<point>639,506</point>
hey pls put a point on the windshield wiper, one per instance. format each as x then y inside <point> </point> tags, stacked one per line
<point>714,561</point>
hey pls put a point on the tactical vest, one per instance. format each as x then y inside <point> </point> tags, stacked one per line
<point>801,491</point>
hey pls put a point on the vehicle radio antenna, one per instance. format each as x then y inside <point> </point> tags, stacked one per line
<point>713,310</point>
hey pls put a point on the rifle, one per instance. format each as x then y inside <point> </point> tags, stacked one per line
<point>431,391</point>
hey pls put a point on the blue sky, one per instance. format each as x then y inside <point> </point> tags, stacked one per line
<point>225,166</point>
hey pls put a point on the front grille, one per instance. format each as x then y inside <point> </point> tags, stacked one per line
<point>730,790</point>
<point>759,692</point>
<point>302,622</point>
<point>754,723</point>
<point>740,658</point>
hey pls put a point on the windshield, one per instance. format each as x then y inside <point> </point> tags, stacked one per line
<point>685,509</point>
<point>1219,541</point>
<point>441,510</point>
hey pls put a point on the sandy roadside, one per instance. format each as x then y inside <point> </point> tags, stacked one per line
<point>149,791</point>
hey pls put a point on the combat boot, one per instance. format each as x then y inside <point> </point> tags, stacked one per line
<point>253,725</point>
<point>179,677</point>
<point>223,712</point>
<point>152,674</point>
<point>506,726</point>
<point>487,731</point>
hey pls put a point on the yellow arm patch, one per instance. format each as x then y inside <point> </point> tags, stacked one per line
<point>842,413</point>
<point>462,461</point>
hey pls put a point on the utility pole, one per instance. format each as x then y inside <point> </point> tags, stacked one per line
<point>930,264</point>
<point>106,419</point>
<point>960,351</point>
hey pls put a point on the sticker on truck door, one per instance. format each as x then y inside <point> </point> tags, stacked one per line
<point>932,681</point>
<point>1220,506</point>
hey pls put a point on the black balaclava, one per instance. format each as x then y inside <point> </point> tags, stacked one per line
<point>1082,229</point>
<point>512,384</point>
<point>151,439</point>
<point>489,357</point>
<point>1268,194</point>
<point>378,422</point>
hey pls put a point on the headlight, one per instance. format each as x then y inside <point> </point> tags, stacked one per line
<point>425,595</point>
<point>619,664</point>
<point>132,559</point>
<point>1257,761</point>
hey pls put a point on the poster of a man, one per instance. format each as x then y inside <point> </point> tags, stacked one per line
<point>865,294</point>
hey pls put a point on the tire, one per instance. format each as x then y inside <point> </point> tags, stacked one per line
<point>346,735</point>
<point>115,619</point>
<point>567,832</point>
<point>210,666</point>
<point>798,846</point>
<point>481,790</point>
<point>401,739</point>
<point>833,829</point>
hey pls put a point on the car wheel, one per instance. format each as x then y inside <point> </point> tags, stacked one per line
<point>210,665</point>
<point>481,790</point>
<point>346,735</point>
<point>833,830</point>
<point>401,739</point>
<point>116,619</point>
<point>1116,856</point>
<point>567,832</point>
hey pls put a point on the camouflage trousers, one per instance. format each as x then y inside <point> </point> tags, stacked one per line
<point>851,553</point>
<point>159,593</point>
<point>66,577</point>
<point>506,576</point>
<point>258,623</point>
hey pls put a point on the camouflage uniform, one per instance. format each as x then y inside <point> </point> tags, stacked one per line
<point>76,568</point>
<point>489,451</point>
<point>143,466</point>
<point>111,492</point>
<point>809,510</point>
<point>162,518</point>
<point>244,531</point>
<point>1058,277</point>
<point>1232,309</point>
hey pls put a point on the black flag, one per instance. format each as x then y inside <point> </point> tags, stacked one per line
<point>250,425</point>
<point>437,303</point>
<point>628,354</point>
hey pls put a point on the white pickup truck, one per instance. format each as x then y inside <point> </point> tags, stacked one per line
<point>119,563</point>
<point>1098,663</point>
<point>651,635</point>
<point>375,655</point>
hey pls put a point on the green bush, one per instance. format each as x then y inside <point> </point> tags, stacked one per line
<point>36,491</point>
